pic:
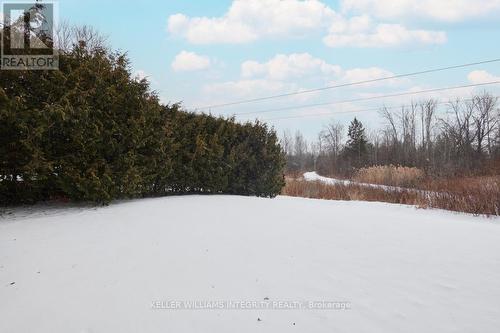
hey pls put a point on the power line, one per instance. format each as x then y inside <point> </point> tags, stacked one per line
<point>347,84</point>
<point>326,113</point>
<point>366,98</point>
<point>350,111</point>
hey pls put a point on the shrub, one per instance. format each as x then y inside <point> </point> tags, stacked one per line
<point>390,175</point>
<point>91,132</point>
<point>475,197</point>
<point>319,190</point>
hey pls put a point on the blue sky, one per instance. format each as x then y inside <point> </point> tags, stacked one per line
<point>209,52</point>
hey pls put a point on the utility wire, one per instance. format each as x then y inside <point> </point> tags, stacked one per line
<point>347,84</point>
<point>329,113</point>
<point>353,111</point>
<point>367,98</point>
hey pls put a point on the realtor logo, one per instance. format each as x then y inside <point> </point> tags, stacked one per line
<point>28,36</point>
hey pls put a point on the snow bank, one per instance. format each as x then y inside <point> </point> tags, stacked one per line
<point>313,176</point>
<point>99,270</point>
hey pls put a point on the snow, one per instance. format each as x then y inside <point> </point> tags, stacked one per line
<point>99,270</point>
<point>313,176</point>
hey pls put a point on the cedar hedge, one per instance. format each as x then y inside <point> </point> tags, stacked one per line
<point>91,132</point>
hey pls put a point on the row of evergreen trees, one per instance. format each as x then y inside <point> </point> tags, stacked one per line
<point>92,132</point>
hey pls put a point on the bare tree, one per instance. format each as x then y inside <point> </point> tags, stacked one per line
<point>286,142</point>
<point>495,142</point>
<point>458,129</point>
<point>391,122</point>
<point>63,34</point>
<point>408,127</point>
<point>331,136</point>
<point>465,140</point>
<point>485,120</point>
<point>89,38</point>
<point>427,114</point>
<point>300,150</point>
<point>330,143</point>
<point>68,36</point>
<point>375,137</point>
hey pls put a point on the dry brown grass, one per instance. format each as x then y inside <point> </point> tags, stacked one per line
<point>477,195</point>
<point>462,184</point>
<point>390,175</point>
<point>319,190</point>
<point>476,199</point>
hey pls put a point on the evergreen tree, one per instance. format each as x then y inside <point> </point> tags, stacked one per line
<point>91,132</point>
<point>356,147</point>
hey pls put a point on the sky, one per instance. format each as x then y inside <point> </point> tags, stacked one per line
<point>204,53</point>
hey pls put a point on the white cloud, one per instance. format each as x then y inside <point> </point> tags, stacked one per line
<point>249,20</point>
<point>202,30</point>
<point>478,77</point>
<point>360,31</point>
<point>243,89</point>
<point>294,73</point>
<point>297,66</point>
<point>190,61</point>
<point>283,67</point>
<point>441,10</point>
<point>366,74</point>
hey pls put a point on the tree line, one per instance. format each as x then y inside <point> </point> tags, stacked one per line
<point>92,132</point>
<point>463,140</point>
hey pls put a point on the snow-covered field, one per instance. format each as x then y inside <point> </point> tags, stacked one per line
<point>100,270</point>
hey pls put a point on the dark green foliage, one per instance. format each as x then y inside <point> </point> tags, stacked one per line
<point>217,155</point>
<point>356,147</point>
<point>90,132</point>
